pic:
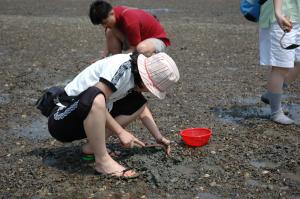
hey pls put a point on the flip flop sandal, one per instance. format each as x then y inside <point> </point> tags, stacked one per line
<point>88,157</point>
<point>122,176</point>
<point>113,154</point>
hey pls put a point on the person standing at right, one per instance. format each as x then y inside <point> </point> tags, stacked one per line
<point>276,17</point>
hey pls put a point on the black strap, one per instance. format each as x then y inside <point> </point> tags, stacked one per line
<point>65,98</point>
<point>262,2</point>
<point>287,47</point>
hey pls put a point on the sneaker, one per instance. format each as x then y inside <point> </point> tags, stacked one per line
<point>281,118</point>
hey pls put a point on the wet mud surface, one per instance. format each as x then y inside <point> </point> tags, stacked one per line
<point>45,43</point>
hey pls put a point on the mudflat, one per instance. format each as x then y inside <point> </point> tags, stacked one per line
<point>45,43</point>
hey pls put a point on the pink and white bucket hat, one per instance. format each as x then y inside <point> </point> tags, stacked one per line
<point>158,73</point>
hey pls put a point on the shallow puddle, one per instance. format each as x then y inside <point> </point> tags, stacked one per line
<point>159,10</point>
<point>51,162</point>
<point>4,51</point>
<point>35,131</point>
<point>237,114</point>
<point>248,108</point>
<point>292,176</point>
<point>252,183</point>
<point>205,195</point>
<point>294,112</point>
<point>264,164</point>
<point>4,99</point>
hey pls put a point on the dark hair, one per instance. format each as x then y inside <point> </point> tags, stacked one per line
<point>134,69</point>
<point>99,11</point>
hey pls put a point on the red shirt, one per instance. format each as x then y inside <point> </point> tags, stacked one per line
<point>138,25</point>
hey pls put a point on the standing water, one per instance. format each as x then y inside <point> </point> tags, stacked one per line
<point>249,108</point>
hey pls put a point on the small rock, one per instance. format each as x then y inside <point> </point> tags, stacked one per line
<point>173,180</point>
<point>213,184</point>
<point>271,187</point>
<point>213,152</point>
<point>52,142</point>
<point>265,172</point>
<point>247,175</point>
<point>102,188</point>
<point>206,175</point>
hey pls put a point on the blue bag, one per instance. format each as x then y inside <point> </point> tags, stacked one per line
<point>251,9</point>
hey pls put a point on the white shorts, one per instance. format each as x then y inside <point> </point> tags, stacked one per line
<point>159,45</point>
<point>271,53</point>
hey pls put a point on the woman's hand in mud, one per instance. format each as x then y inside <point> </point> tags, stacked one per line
<point>129,141</point>
<point>166,144</point>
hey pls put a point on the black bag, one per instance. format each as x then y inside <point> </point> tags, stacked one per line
<point>48,100</point>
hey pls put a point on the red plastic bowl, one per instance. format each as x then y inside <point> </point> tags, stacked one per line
<point>196,136</point>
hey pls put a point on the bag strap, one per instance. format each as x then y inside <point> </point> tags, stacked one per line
<point>65,98</point>
<point>261,2</point>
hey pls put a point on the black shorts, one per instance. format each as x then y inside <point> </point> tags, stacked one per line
<point>66,124</point>
<point>128,105</point>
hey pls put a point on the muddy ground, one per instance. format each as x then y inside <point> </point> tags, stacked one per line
<point>45,43</point>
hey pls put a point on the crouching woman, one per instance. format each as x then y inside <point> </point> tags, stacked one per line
<point>93,93</point>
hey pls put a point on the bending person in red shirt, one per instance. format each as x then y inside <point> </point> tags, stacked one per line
<point>129,29</point>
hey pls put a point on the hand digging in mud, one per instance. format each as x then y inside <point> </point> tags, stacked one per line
<point>166,145</point>
<point>129,141</point>
<point>162,142</point>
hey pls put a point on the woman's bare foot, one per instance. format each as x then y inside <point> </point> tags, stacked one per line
<point>87,149</point>
<point>107,165</point>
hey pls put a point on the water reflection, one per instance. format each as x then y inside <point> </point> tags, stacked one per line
<point>247,108</point>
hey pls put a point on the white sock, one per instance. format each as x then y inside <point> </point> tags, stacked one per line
<point>275,101</point>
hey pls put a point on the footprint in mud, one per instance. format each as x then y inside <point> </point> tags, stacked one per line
<point>4,98</point>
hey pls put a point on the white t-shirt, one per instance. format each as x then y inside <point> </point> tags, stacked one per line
<point>114,71</point>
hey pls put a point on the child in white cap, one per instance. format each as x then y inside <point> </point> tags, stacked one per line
<point>91,113</point>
